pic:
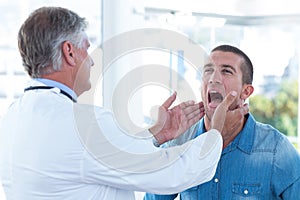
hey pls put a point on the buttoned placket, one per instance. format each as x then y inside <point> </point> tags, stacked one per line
<point>215,183</point>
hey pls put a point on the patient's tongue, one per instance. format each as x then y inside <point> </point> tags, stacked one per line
<point>215,99</point>
<point>214,103</point>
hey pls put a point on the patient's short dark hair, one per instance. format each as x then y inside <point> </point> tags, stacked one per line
<point>246,67</point>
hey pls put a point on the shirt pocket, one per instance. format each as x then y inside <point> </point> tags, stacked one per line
<point>246,191</point>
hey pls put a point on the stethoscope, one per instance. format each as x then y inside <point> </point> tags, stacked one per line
<point>48,88</point>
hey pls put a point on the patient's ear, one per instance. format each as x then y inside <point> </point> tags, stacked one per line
<point>68,53</point>
<point>247,91</point>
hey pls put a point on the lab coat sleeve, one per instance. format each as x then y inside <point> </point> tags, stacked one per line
<point>117,159</point>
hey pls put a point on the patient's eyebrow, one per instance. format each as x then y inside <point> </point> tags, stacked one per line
<point>208,65</point>
<point>229,66</point>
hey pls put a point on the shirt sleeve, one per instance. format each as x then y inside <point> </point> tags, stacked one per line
<point>292,192</point>
<point>286,170</point>
<point>118,159</point>
<point>186,136</point>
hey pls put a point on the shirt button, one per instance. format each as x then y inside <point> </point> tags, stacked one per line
<point>246,191</point>
<point>216,180</point>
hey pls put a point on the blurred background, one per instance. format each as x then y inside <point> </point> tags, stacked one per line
<point>267,31</point>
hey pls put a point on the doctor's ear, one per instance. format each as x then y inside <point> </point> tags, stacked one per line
<point>68,53</point>
<point>247,91</point>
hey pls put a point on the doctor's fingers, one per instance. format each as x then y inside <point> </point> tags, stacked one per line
<point>234,120</point>
<point>244,109</point>
<point>235,117</point>
<point>189,106</point>
<point>169,101</point>
<point>194,112</point>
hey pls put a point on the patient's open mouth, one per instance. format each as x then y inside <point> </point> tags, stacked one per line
<point>214,98</point>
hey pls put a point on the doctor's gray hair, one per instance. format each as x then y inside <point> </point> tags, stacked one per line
<point>41,36</point>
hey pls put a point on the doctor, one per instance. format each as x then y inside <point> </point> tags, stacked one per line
<point>53,148</point>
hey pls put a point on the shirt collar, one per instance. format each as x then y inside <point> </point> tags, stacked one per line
<point>244,140</point>
<point>56,84</point>
<point>247,135</point>
<point>201,128</point>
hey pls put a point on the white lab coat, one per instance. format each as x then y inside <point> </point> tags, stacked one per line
<point>51,148</point>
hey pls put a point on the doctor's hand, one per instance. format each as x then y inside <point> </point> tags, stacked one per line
<point>222,112</point>
<point>234,123</point>
<point>173,122</point>
<point>229,121</point>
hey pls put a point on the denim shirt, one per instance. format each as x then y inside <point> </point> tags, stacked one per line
<point>260,163</point>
